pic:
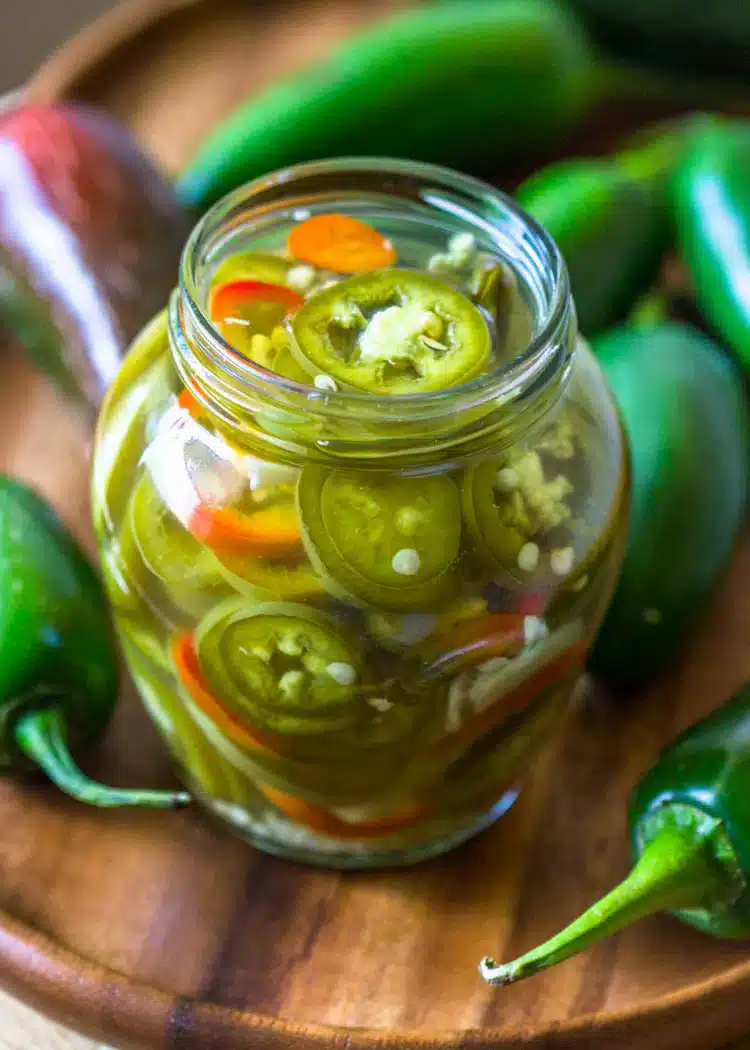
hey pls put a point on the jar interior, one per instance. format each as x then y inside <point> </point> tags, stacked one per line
<point>424,213</point>
<point>421,233</point>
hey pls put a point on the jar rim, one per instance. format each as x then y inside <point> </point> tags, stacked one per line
<point>506,379</point>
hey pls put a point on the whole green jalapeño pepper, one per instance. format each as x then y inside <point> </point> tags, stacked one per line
<point>58,667</point>
<point>712,207</point>
<point>468,82</point>
<point>610,216</point>
<point>683,407</point>
<point>690,832</point>
<point>608,227</point>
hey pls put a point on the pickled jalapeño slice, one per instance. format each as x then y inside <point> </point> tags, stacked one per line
<point>389,542</point>
<point>392,332</point>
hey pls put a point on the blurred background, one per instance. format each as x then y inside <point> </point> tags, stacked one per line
<point>25,41</point>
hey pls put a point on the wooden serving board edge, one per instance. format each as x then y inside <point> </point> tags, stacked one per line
<point>103,1004</point>
<point>90,48</point>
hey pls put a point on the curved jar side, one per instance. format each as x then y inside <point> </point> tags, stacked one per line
<point>365,677</point>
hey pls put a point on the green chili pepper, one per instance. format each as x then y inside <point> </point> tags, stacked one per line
<point>510,531</point>
<point>712,207</point>
<point>684,410</point>
<point>690,833</point>
<point>653,153</point>
<point>610,217</point>
<point>58,667</point>
<point>166,548</point>
<point>466,82</point>
<point>608,228</point>
<point>258,266</point>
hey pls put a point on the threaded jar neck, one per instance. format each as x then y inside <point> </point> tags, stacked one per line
<point>491,411</point>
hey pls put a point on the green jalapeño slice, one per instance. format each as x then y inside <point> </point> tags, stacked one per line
<point>165,546</point>
<point>519,513</point>
<point>257,266</point>
<point>154,545</point>
<point>390,542</point>
<point>283,667</point>
<point>392,332</point>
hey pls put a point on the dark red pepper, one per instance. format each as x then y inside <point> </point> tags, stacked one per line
<point>90,241</point>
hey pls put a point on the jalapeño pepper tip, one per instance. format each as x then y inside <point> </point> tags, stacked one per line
<point>689,863</point>
<point>41,735</point>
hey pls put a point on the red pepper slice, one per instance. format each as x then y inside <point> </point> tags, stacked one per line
<point>271,532</point>
<point>323,821</point>
<point>532,603</point>
<point>191,676</point>
<point>234,300</point>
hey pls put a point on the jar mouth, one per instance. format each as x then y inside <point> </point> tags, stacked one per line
<point>436,190</point>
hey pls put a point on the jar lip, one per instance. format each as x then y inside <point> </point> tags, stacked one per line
<point>508,379</point>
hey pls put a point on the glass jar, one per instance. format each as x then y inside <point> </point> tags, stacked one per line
<point>370,686</point>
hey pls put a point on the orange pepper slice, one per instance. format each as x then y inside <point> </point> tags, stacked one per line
<point>190,403</point>
<point>326,823</point>
<point>340,243</point>
<point>191,676</point>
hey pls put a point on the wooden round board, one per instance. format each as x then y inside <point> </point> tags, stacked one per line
<point>161,932</point>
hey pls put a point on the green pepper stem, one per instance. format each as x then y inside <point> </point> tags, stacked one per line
<point>42,736</point>
<point>680,868</point>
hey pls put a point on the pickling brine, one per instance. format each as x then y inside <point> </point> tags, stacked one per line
<point>360,495</point>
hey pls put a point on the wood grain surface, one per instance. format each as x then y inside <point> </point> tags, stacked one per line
<point>163,932</point>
